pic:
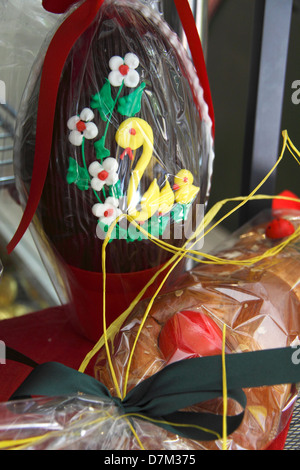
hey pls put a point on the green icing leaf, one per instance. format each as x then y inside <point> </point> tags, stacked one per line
<point>101,151</point>
<point>103,101</point>
<point>156,226</point>
<point>117,233</point>
<point>116,190</point>
<point>72,171</point>
<point>78,175</point>
<point>130,105</point>
<point>180,212</point>
<point>153,226</point>
<point>135,234</point>
<point>122,233</point>
<point>163,222</point>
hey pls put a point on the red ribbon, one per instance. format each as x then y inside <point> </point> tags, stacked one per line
<point>189,26</point>
<point>58,6</point>
<point>60,46</point>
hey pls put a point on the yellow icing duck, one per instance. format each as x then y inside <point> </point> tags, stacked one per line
<point>166,199</point>
<point>183,186</point>
<point>149,203</point>
<point>132,134</point>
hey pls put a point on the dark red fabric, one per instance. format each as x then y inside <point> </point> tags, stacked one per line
<point>43,336</point>
<point>49,336</point>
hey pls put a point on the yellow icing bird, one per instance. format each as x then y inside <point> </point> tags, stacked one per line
<point>183,186</point>
<point>166,199</point>
<point>149,203</point>
<point>132,134</point>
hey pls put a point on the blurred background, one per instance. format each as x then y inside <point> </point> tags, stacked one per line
<point>231,34</point>
<point>228,30</point>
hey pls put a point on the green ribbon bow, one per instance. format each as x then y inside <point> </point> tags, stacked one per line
<point>162,396</point>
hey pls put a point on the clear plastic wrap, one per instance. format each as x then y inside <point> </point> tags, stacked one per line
<point>67,423</point>
<point>23,31</point>
<point>260,306</point>
<point>132,136</point>
<point>77,423</point>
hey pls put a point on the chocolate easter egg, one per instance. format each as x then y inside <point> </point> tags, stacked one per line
<point>131,154</point>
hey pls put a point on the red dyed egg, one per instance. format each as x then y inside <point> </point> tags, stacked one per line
<point>190,334</point>
<point>279,228</point>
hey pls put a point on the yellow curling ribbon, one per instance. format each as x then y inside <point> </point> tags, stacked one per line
<point>224,443</point>
<point>178,254</point>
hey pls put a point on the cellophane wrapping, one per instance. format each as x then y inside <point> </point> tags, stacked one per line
<point>259,305</point>
<point>67,423</point>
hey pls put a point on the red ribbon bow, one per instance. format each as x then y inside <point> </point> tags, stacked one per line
<point>62,42</point>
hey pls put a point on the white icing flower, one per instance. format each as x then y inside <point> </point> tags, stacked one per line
<point>108,211</point>
<point>104,173</point>
<point>80,127</point>
<point>124,69</point>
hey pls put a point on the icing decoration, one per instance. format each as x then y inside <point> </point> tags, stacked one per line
<point>134,133</point>
<point>149,203</point>
<point>78,175</point>
<point>100,149</point>
<point>82,127</point>
<point>185,191</point>
<point>279,228</point>
<point>123,70</point>
<point>130,105</point>
<point>180,212</point>
<point>104,173</point>
<point>103,102</point>
<point>108,211</point>
<point>166,199</point>
<point>127,152</point>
